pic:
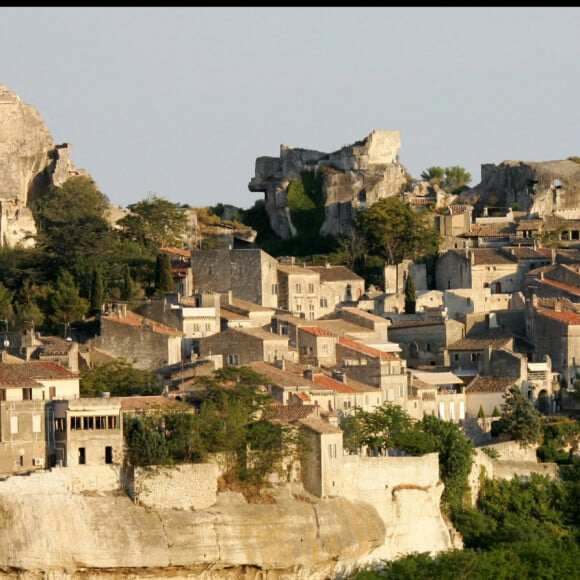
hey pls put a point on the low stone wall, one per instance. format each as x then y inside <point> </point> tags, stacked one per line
<point>184,487</point>
<point>66,480</point>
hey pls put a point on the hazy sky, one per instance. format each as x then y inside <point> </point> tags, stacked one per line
<point>179,102</point>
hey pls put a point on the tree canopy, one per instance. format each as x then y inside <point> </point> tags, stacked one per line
<point>394,231</point>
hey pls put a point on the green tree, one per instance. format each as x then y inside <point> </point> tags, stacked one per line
<point>72,225</point>
<point>395,232</point>
<point>120,379</point>
<point>97,292</point>
<point>456,179</point>
<point>127,285</point>
<point>154,223</point>
<point>518,418</point>
<point>146,440</point>
<point>410,298</point>
<point>434,175</point>
<point>163,274</point>
<point>379,429</point>
<point>64,302</point>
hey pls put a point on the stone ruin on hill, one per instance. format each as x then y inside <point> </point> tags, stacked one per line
<point>358,175</point>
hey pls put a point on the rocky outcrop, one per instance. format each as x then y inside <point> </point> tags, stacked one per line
<point>30,162</point>
<point>539,188</point>
<point>105,536</point>
<point>354,176</point>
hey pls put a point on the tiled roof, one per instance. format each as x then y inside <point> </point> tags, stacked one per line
<point>490,384</point>
<point>364,349</point>
<point>177,252</point>
<point>28,373</point>
<point>261,334</point>
<point>530,225</point>
<point>333,384</point>
<point>149,403</point>
<point>289,413</point>
<point>567,317</point>
<point>523,253</point>
<point>316,331</point>
<point>335,273</point>
<point>282,378</point>
<point>479,343</point>
<point>139,322</point>
<point>565,287</point>
<point>364,314</point>
<point>494,230</point>
<point>320,425</point>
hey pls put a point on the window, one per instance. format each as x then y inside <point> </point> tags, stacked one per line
<point>298,288</point>
<point>274,288</point>
<point>311,288</point>
<point>455,357</point>
<point>82,456</point>
<point>323,303</point>
<point>76,423</point>
<point>196,327</point>
<point>233,359</point>
<point>208,326</point>
<point>112,422</point>
<point>88,423</point>
<point>36,424</point>
<point>332,450</point>
<point>27,394</point>
<point>108,454</point>
<point>60,424</point>
<point>475,356</point>
<point>298,307</point>
<point>51,392</point>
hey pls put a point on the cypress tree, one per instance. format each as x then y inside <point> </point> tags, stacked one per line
<point>410,299</point>
<point>163,274</point>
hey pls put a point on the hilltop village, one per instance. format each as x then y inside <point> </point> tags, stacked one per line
<point>503,309</point>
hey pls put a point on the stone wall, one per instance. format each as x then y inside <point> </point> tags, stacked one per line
<point>183,487</point>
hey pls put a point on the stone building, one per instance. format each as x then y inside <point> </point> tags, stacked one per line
<point>338,286</point>
<point>240,346</point>
<point>86,431</point>
<point>249,274</point>
<point>299,291</point>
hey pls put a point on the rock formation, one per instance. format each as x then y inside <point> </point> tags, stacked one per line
<point>354,176</point>
<point>540,188</point>
<point>30,162</point>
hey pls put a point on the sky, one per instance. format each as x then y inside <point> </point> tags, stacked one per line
<point>178,103</point>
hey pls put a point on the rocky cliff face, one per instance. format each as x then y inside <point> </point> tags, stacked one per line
<point>30,161</point>
<point>354,176</point>
<point>70,536</point>
<point>540,188</point>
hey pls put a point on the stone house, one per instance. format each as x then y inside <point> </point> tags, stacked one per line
<point>149,345</point>
<point>338,285</point>
<point>87,431</point>
<point>238,313</point>
<point>316,345</point>
<point>249,274</point>
<point>196,317</point>
<point>439,393</point>
<point>383,370</point>
<point>554,281</point>
<point>478,268</point>
<point>490,235</point>
<point>486,393</point>
<point>460,302</point>
<point>422,341</point>
<point>465,356</point>
<point>553,326</point>
<point>395,276</point>
<point>240,346</point>
<point>299,291</point>
<point>349,394</point>
<point>26,388</point>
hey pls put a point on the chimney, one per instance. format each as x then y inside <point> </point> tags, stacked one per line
<point>308,374</point>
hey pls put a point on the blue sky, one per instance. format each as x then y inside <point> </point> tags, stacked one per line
<point>179,102</point>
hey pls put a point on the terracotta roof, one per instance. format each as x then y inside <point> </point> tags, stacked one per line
<point>27,373</point>
<point>141,322</point>
<point>560,285</point>
<point>362,348</point>
<point>177,252</point>
<point>317,331</point>
<point>320,425</point>
<point>567,317</point>
<point>333,384</point>
<point>490,384</point>
<point>364,314</point>
<point>528,225</point>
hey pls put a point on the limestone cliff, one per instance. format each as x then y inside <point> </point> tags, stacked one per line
<point>539,188</point>
<point>354,176</point>
<point>30,161</point>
